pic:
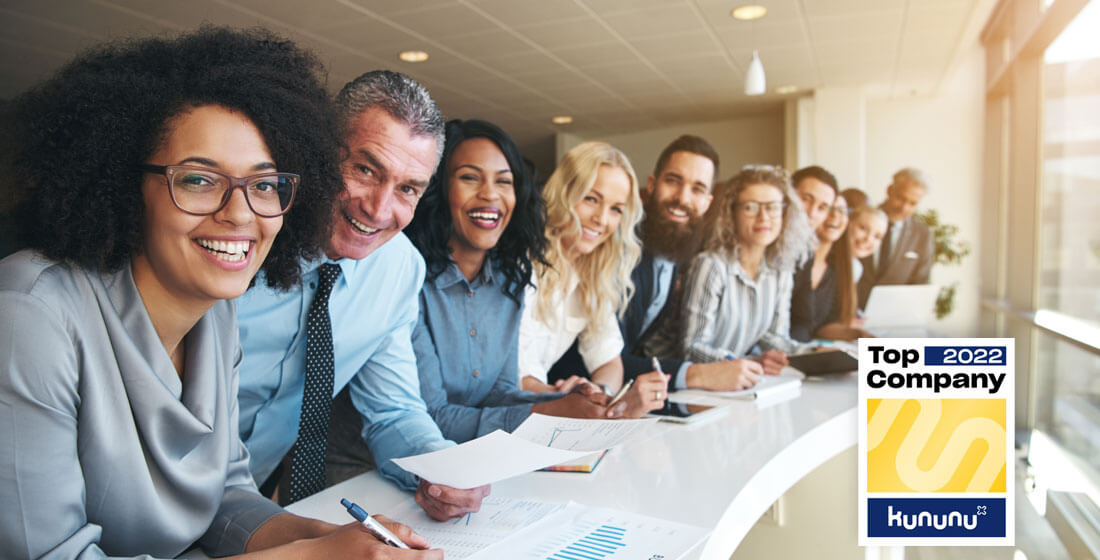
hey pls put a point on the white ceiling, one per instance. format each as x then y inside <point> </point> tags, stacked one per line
<point>614,65</point>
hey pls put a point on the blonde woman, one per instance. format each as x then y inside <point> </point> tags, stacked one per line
<point>592,206</point>
<point>845,245</point>
<point>737,293</point>
<point>868,228</point>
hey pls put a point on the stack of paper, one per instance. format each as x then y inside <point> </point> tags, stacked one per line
<point>539,442</point>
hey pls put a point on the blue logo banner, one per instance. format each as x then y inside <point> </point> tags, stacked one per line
<point>936,517</point>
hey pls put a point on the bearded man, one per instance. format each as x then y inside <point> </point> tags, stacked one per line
<point>676,196</point>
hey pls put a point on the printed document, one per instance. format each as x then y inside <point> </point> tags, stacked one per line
<point>463,536</point>
<point>539,442</point>
<point>592,533</point>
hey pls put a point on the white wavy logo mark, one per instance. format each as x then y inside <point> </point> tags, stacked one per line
<point>944,468</point>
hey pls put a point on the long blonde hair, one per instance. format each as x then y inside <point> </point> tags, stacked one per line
<point>604,274</point>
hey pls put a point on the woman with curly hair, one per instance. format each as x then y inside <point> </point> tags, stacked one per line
<point>737,292</point>
<point>480,228</point>
<point>152,178</point>
<point>593,208</point>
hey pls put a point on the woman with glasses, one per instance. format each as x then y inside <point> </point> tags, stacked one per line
<point>735,299</point>
<point>152,179</point>
<point>480,229</point>
<point>592,206</point>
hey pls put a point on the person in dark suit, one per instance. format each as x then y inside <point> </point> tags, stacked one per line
<point>907,250</point>
<point>676,196</point>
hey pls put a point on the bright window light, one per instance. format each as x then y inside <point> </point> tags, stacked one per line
<point>1078,40</point>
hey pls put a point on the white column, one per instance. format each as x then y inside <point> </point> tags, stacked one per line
<point>839,141</point>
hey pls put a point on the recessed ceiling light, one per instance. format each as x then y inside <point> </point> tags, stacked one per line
<point>562,119</point>
<point>784,90</point>
<point>751,11</point>
<point>413,56</point>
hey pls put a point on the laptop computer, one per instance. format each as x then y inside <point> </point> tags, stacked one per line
<point>901,310</point>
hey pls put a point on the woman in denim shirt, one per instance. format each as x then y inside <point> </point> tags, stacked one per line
<point>480,228</point>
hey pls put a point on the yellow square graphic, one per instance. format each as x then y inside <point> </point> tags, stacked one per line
<point>936,445</point>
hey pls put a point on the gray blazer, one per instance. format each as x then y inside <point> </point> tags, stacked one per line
<point>103,449</point>
<point>909,263</point>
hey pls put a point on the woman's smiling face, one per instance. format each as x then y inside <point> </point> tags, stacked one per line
<point>600,210</point>
<point>205,258</point>
<point>481,194</point>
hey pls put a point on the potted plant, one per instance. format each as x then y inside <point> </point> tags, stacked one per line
<point>948,250</point>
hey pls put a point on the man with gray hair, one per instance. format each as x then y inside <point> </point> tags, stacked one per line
<point>349,324</point>
<point>907,250</point>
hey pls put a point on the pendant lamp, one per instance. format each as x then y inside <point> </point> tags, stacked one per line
<point>754,77</point>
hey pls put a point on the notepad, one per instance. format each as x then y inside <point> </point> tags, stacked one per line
<point>769,386</point>
<point>585,464</point>
<point>824,362</point>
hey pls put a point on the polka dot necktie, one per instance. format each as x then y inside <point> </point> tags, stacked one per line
<point>307,471</point>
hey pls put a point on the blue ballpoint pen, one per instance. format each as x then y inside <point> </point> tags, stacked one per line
<point>373,527</point>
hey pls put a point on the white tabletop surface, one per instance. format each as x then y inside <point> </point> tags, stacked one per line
<point>722,473</point>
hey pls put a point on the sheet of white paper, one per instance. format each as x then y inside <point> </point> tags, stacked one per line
<point>589,533</point>
<point>462,536</point>
<point>767,384</point>
<point>485,460</point>
<point>578,434</point>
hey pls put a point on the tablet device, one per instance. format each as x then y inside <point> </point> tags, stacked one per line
<point>683,413</point>
<point>824,363</point>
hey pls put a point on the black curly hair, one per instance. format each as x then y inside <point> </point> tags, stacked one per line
<point>523,241</point>
<point>74,141</point>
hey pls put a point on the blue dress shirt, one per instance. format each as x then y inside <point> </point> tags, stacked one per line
<point>373,308</point>
<point>466,346</point>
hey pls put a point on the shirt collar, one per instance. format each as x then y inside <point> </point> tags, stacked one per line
<point>348,267</point>
<point>738,270</point>
<point>451,275</point>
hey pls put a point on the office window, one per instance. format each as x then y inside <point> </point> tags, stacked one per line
<point>1041,284</point>
<point>1069,274</point>
<point>1068,404</point>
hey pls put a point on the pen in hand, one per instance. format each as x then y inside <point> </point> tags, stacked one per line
<point>622,393</point>
<point>375,528</point>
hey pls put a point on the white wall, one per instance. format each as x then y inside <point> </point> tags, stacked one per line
<point>942,136</point>
<point>754,139</point>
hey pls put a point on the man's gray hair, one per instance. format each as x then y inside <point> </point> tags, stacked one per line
<point>400,96</point>
<point>911,174</point>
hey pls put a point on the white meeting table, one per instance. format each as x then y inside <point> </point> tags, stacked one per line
<point>722,473</point>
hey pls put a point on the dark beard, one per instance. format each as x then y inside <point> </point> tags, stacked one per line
<point>673,241</point>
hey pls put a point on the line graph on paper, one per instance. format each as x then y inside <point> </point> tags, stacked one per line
<point>466,535</point>
<point>578,434</point>
<point>557,432</point>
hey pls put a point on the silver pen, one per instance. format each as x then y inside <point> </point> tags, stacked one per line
<point>373,527</point>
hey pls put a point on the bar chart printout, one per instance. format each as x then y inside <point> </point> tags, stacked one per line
<point>602,541</point>
<point>588,533</point>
